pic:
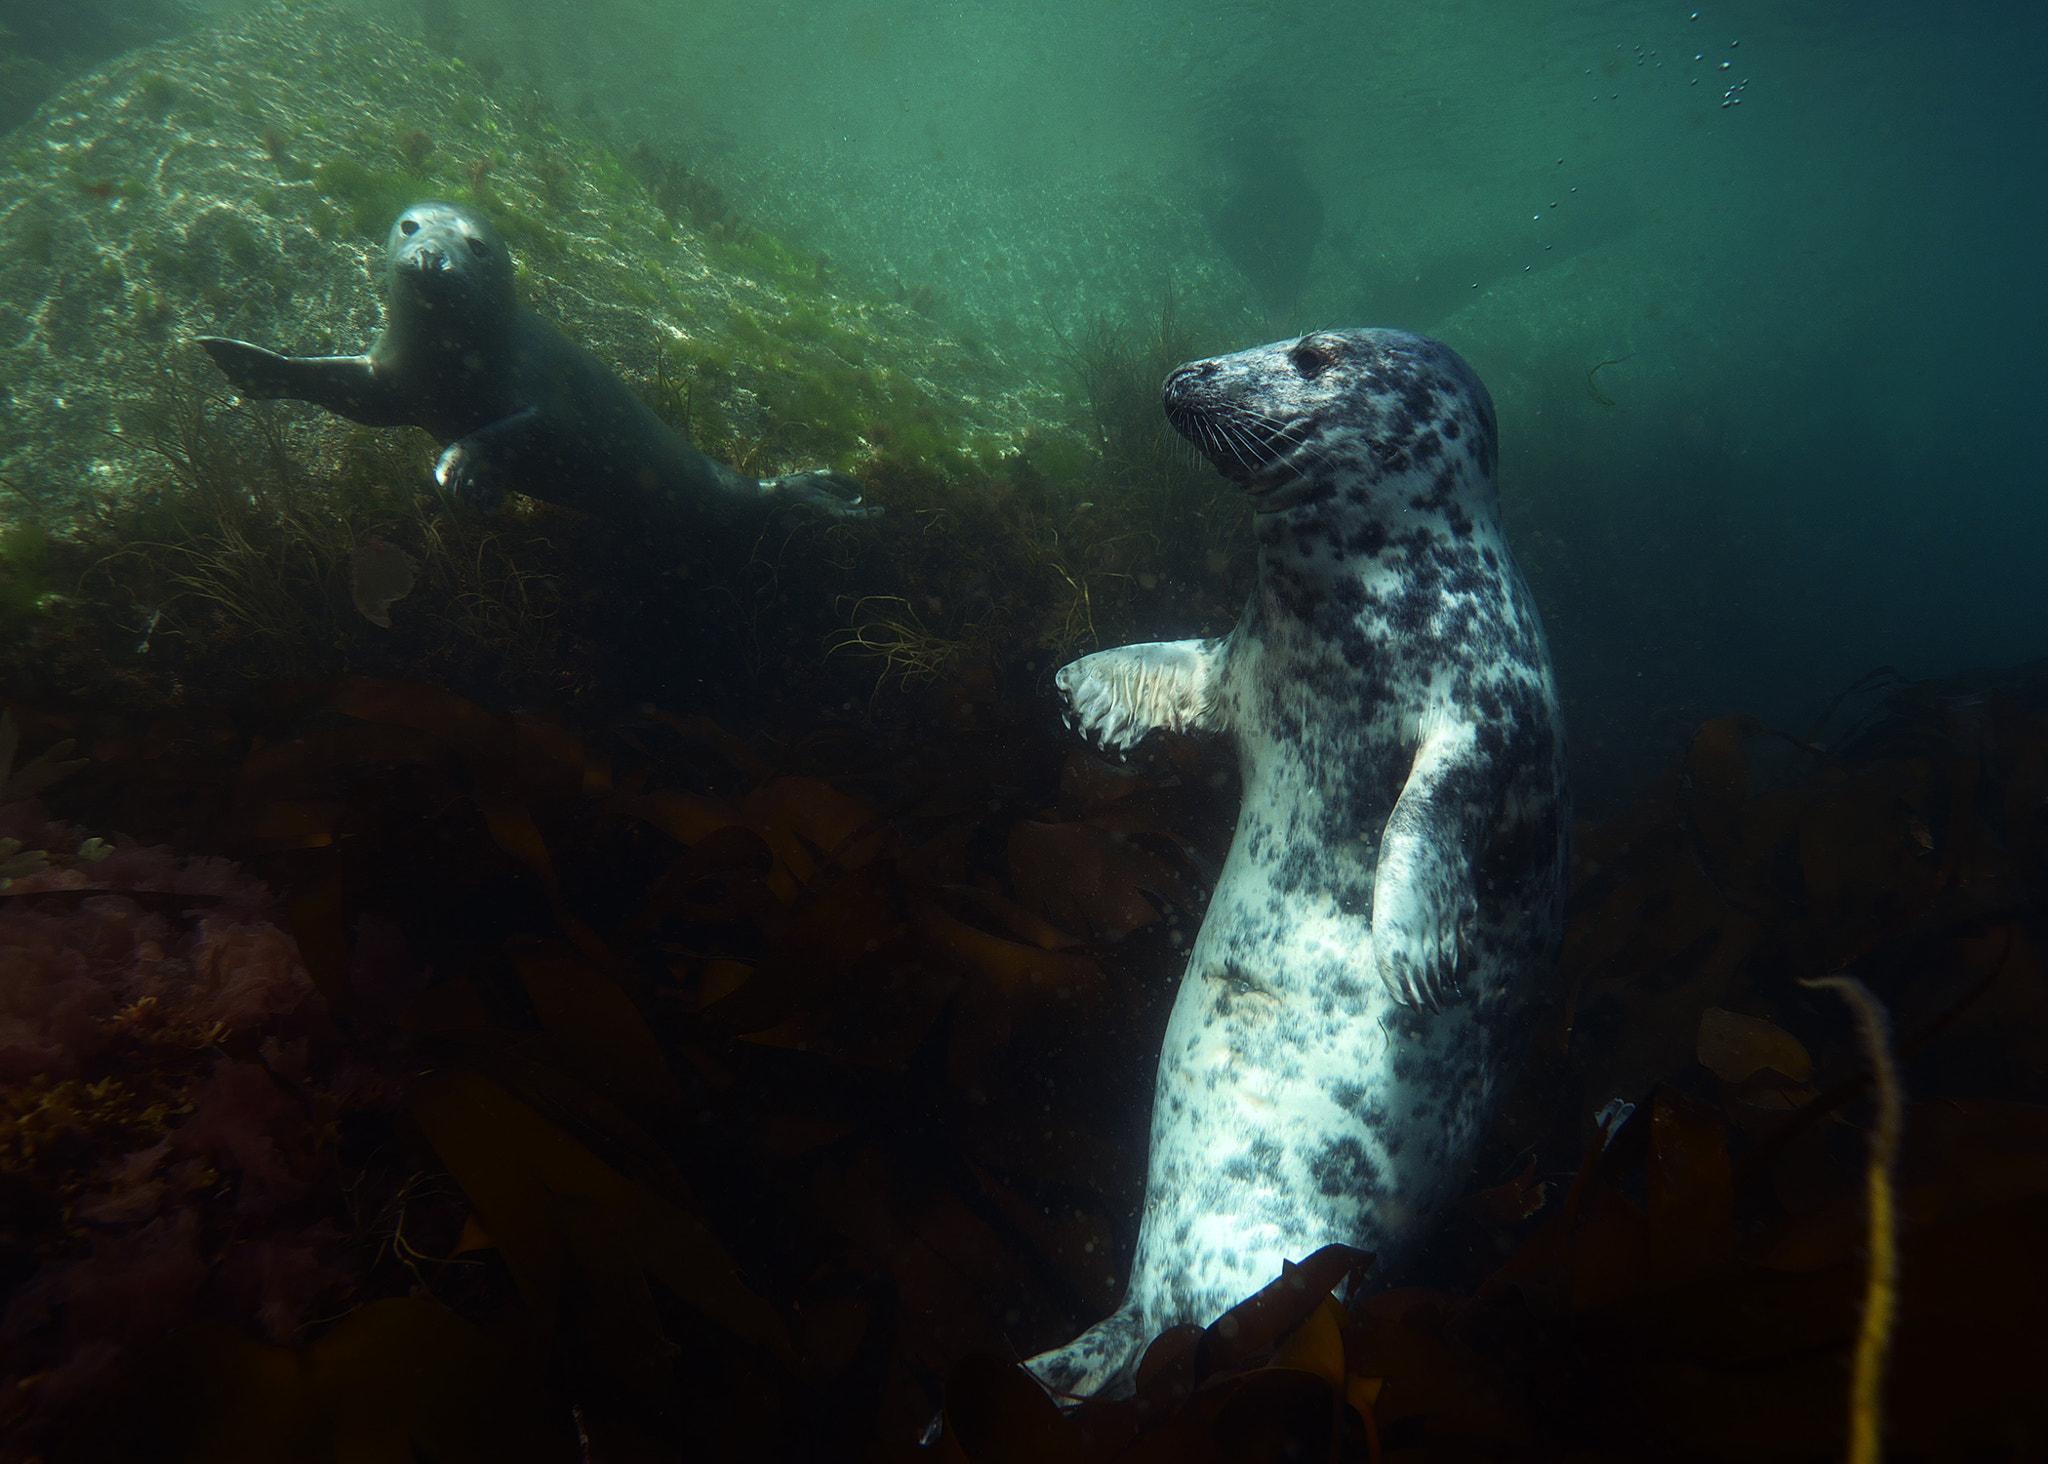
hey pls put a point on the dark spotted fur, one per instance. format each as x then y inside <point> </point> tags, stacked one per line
<point>1393,896</point>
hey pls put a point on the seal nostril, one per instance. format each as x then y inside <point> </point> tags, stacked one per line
<point>1181,378</point>
<point>479,248</point>
<point>408,227</point>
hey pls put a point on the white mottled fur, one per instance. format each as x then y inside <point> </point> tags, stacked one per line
<point>1359,988</point>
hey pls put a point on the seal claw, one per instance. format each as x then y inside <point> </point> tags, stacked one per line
<point>1116,698</point>
<point>462,474</point>
<point>822,491</point>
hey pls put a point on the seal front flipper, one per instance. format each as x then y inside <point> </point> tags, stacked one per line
<point>475,469</point>
<point>345,384</point>
<point>1116,697</point>
<point>1424,906</point>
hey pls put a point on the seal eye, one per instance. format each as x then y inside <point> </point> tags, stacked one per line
<point>478,247</point>
<point>1309,361</point>
<point>408,227</point>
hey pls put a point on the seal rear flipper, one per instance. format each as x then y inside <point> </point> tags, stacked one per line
<point>477,469</point>
<point>344,384</point>
<point>1101,1362</point>
<point>834,495</point>
<point>1116,697</point>
<point>1424,906</point>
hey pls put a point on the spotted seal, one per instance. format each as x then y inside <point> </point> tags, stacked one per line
<point>518,406</point>
<point>1362,982</point>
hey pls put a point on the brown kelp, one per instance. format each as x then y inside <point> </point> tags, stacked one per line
<point>766,1098</point>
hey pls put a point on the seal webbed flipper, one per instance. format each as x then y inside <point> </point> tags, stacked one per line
<point>1101,1361</point>
<point>475,469</point>
<point>834,495</point>
<point>1424,906</point>
<point>348,385</point>
<point>1116,697</point>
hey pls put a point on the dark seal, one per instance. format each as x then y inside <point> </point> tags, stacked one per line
<point>1394,895</point>
<point>518,406</point>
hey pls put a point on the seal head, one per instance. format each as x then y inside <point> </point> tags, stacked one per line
<point>1393,896</point>
<point>1339,413</point>
<point>444,263</point>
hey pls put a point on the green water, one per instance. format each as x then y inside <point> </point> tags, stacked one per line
<point>1813,452</point>
<point>1758,291</point>
<point>1756,287</point>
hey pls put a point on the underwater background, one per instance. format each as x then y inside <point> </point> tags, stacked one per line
<point>1753,290</point>
<point>1796,231</point>
<point>749,942</point>
<point>1797,236</point>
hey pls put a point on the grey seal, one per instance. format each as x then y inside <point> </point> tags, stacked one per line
<point>1393,898</point>
<point>517,405</point>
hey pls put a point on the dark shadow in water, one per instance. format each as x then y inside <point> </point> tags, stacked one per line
<point>80,31</point>
<point>44,43</point>
<point>1267,218</point>
<point>1414,295</point>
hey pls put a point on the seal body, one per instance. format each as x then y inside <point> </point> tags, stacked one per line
<point>1393,897</point>
<point>517,405</point>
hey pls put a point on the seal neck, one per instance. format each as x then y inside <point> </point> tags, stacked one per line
<point>1322,565</point>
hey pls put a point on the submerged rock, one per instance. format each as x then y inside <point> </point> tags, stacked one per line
<point>380,575</point>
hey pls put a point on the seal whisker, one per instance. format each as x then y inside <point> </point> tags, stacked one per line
<point>1248,434</point>
<point>1261,457</point>
<point>1285,435</point>
<point>1237,444</point>
<point>1261,433</point>
<point>1219,439</point>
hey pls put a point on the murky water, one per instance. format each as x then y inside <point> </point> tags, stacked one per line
<point>1756,286</point>
<point>510,985</point>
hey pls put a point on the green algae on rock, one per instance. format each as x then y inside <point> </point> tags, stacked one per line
<point>231,182</point>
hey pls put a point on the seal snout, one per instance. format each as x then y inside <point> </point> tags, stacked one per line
<point>1192,404</point>
<point>1203,402</point>
<point>1183,383</point>
<point>439,256</point>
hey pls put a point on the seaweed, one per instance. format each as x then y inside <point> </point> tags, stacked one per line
<point>889,627</point>
<point>234,565</point>
<point>25,564</point>
<point>674,188</point>
<point>1880,1289</point>
<point>374,198</point>
<point>415,145</point>
<point>785,1092</point>
<point>1592,389</point>
<point>159,92</point>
